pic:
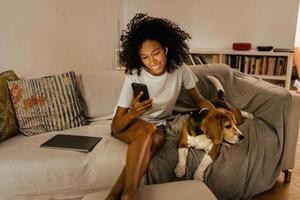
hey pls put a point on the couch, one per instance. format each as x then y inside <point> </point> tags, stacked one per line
<point>30,172</point>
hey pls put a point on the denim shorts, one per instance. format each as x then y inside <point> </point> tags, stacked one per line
<point>163,128</point>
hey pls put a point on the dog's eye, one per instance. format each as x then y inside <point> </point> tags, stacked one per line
<point>228,126</point>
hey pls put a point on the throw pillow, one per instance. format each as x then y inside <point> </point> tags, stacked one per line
<point>47,104</point>
<point>8,122</point>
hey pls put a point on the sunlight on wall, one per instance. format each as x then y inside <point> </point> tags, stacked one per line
<point>297,38</point>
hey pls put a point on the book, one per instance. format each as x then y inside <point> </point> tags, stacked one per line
<point>284,68</point>
<point>242,64</point>
<point>279,66</point>
<point>202,59</point>
<point>271,66</point>
<point>258,68</point>
<point>72,142</point>
<point>233,63</point>
<point>238,63</point>
<point>191,59</point>
<point>215,58</point>
<point>264,65</point>
<point>252,65</point>
<point>195,59</point>
<point>198,59</point>
<point>228,60</point>
<point>188,60</point>
<point>247,64</point>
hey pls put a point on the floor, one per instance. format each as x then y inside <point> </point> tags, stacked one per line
<point>285,191</point>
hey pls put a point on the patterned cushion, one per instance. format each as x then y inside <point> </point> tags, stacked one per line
<point>8,122</point>
<point>47,104</point>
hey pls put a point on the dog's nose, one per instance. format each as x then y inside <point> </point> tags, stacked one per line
<point>240,136</point>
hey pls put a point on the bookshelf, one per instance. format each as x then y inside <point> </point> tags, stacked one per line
<point>274,67</point>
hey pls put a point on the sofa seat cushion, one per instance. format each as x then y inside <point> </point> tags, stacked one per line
<point>30,172</point>
<point>191,190</point>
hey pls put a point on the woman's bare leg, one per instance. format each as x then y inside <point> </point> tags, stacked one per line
<point>117,189</point>
<point>144,139</point>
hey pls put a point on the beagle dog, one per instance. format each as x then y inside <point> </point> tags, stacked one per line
<point>207,129</point>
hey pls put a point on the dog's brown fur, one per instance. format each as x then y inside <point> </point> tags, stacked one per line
<point>213,125</point>
<point>207,130</point>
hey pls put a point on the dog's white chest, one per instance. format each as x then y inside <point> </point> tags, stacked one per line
<point>200,142</point>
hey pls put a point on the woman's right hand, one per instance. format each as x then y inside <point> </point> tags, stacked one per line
<point>139,108</point>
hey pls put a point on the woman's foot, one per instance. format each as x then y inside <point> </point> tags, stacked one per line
<point>130,195</point>
<point>297,85</point>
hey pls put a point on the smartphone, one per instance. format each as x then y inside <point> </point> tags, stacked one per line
<point>137,88</point>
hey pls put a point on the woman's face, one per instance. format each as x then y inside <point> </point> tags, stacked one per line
<point>154,57</point>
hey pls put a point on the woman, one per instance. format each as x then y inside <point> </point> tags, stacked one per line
<point>153,51</point>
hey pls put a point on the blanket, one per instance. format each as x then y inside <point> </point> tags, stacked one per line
<point>247,168</point>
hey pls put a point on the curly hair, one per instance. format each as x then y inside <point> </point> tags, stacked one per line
<point>143,27</point>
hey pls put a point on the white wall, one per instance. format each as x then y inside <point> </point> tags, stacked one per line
<point>297,38</point>
<point>43,37</point>
<point>217,23</point>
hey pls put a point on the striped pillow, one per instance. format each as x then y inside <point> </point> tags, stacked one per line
<point>47,104</point>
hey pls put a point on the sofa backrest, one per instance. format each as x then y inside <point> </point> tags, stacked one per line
<point>100,92</point>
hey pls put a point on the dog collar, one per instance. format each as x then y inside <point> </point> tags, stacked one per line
<point>228,142</point>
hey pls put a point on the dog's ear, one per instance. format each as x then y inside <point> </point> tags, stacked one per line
<point>214,152</point>
<point>213,128</point>
<point>231,115</point>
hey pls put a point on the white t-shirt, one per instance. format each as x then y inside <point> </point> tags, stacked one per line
<point>163,89</point>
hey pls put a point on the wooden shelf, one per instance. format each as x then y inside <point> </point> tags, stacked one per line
<point>275,67</point>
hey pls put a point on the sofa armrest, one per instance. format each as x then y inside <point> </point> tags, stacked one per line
<point>290,107</point>
<point>242,91</point>
<point>274,105</point>
<point>293,131</point>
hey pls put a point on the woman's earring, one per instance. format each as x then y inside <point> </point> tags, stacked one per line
<point>166,50</point>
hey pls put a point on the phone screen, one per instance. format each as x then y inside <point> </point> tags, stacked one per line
<point>137,88</point>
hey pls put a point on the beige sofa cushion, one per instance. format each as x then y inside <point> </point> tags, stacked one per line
<point>100,101</point>
<point>181,190</point>
<point>29,172</point>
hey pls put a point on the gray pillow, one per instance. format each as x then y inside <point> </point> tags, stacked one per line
<point>8,122</point>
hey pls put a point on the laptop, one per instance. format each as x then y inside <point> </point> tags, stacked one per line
<point>72,142</point>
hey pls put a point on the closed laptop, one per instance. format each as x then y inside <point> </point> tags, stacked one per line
<point>72,142</point>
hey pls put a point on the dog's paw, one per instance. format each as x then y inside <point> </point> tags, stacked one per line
<point>199,175</point>
<point>179,170</point>
<point>190,141</point>
<point>247,115</point>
